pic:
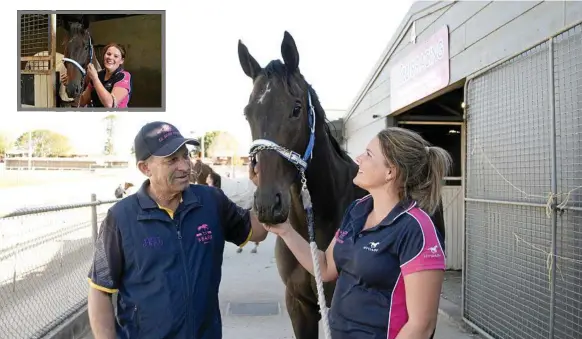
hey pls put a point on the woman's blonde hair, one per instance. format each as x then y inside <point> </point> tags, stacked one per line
<point>420,167</point>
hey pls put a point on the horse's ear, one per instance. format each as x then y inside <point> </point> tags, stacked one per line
<point>86,21</point>
<point>249,65</point>
<point>290,53</point>
<point>67,26</point>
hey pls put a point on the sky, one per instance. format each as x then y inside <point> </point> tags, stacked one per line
<point>206,89</point>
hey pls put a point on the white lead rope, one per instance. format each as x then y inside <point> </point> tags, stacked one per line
<point>306,198</point>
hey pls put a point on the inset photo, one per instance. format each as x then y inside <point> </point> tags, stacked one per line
<point>91,60</point>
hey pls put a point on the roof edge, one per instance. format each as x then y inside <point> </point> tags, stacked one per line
<point>414,13</point>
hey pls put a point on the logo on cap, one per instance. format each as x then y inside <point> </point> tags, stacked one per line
<point>166,131</point>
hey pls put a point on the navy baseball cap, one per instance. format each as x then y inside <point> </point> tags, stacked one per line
<point>159,139</point>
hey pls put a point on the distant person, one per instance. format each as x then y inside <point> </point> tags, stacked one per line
<point>161,249</point>
<point>123,190</point>
<point>112,86</point>
<point>213,179</point>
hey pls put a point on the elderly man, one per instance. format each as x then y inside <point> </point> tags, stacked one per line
<point>161,249</point>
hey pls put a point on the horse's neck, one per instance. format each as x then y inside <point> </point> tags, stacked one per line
<point>329,178</point>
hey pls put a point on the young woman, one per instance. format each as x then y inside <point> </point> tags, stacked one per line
<point>110,87</point>
<point>387,256</point>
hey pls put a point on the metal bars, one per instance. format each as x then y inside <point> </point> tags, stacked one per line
<point>523,229</point>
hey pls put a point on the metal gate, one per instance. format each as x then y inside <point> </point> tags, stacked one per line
<point>522,272</point>
<point>37,60</point>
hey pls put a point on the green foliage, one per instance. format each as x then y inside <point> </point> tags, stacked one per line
<point>5,144</point>
<point>45,143</point>
<point>109,148</point>
<point>209,138</point>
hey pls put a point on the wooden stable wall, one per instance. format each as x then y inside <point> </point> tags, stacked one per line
<point>37,60</point>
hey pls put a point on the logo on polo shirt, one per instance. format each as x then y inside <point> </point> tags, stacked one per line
<point>372,246</point>
<point>153,242</point>
<point>432,252</point>
<point>204,234</point>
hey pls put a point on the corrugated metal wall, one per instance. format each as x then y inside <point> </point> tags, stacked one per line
<point>453,214</point>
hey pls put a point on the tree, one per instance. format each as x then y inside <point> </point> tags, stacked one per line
<point>109,149</point>
<point>45,143</point>
<point>208,140</point>
<point>224,145</point>
<point>5,144</point>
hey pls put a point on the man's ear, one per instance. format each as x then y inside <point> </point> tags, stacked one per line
<point>143,167</point>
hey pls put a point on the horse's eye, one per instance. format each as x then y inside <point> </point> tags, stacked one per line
<point>296,110</point>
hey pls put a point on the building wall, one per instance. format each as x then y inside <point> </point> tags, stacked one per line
<point>481,33</point>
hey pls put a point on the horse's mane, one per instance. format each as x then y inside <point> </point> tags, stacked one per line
<point>76,28</point>
<point>276,68</point>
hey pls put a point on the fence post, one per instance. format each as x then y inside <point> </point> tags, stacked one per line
<point>94,216</point>
<point>554,189</point>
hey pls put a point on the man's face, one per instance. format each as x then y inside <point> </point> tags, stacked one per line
<point>169,174</point>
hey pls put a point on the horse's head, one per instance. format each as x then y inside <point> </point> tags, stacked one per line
<point>79,52</point>
<point>278,111</point>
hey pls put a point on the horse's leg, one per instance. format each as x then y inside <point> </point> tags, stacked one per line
<point>303,313</point>
<point>254,250</point>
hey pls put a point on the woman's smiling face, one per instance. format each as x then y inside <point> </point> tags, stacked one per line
<point>112,59</point>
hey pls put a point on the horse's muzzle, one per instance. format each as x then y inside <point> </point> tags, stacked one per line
<point>271,206</point>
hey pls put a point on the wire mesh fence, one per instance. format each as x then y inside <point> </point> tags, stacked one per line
<point>523,228</point>
<point>45,255</point>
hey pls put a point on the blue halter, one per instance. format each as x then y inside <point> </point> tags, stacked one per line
<point>293,157</point>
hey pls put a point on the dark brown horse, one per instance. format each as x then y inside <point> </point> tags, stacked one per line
<point>79,53</point>
<point>200,172</point>
<point>278,110</point>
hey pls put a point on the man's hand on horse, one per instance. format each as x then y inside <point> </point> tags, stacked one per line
<point>254,172</point>
<point>92,73</point>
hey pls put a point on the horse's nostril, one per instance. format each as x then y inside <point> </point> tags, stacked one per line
<point>277,204</point>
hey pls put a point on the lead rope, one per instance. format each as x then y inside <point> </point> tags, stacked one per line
<point>306,198</point>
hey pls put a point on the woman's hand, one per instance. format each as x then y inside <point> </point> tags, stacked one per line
<point>279,229</point>
<point>92,73</point>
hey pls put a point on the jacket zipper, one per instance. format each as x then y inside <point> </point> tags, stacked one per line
<point>135,318</point>
<point>179,233</point>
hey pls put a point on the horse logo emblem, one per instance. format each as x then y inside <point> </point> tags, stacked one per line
<point>374,244</point>
<point>204,234</point>
<point>433,249</point>
<point>164,129</point>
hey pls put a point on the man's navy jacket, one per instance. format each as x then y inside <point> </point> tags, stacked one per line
<point>166,265</point>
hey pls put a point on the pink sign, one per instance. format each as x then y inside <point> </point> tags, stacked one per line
<point>422,72</point>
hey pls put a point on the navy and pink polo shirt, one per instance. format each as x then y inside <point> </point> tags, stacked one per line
<point>369,299</point>
<point>120,78</point>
